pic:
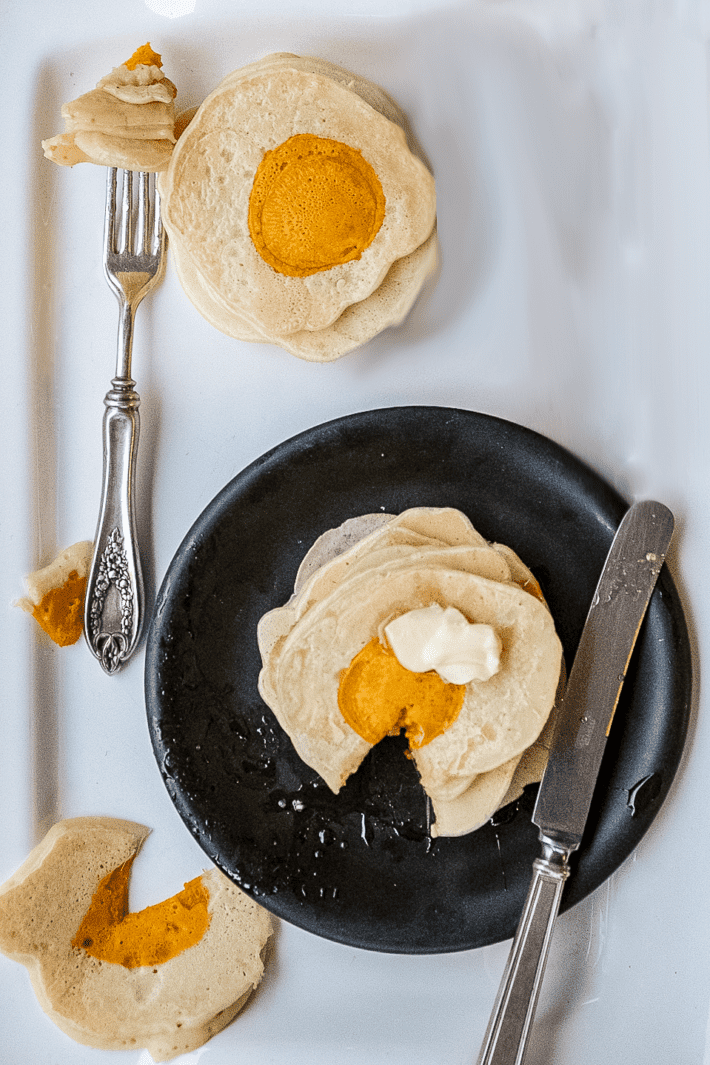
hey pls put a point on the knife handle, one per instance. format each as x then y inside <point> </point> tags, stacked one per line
<point>508,1030</point>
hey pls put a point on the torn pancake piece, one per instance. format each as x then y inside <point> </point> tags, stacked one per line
<point>167,978</point>
<point>55,594</point>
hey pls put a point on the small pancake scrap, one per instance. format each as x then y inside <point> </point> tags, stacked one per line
<point>127,121</point>
<point>342,603</point>
<point>297,211</point>
<point>55,594</point>
<point>167,978</point>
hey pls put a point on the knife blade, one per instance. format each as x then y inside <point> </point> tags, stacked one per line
<point>579,737</point>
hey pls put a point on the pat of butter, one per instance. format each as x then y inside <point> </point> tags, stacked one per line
<point>442,639</point>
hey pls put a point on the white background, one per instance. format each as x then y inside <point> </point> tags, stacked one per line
<point>569,141</point>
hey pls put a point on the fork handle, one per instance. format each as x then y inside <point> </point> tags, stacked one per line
<point>114,594</point>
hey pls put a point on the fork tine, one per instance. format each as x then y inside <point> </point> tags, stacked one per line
<point>158,235</point>
<point>142,240</point>
<point>112,623</point>
<point>125,238</point>
<point>110,215</point>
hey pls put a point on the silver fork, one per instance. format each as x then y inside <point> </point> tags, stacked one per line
<point>134,261</point>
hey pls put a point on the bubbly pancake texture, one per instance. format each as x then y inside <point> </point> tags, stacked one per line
<point>326,661</point>
<point>315,204</point>
<point>270,243</point>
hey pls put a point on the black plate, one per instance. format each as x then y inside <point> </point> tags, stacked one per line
<point>360,867</point>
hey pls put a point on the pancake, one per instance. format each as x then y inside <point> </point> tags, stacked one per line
<point>372,94</point>
<point>339,553</point>
<point>387,306</point>
<point>476,804</point>
<point>127,121</point>
<point>338,607</point>
<point>100,109</point>
<point>126,153</point>
<point>55,594</point>
<point>336,149</point>
<point>500,717</point>
<point>168,1006</point>
<point>358,543</point>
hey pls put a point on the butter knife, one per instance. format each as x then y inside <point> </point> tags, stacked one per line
<point>579,738</point>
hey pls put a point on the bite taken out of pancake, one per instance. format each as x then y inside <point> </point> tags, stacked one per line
<point>348,590</point>
<point>297,211</point>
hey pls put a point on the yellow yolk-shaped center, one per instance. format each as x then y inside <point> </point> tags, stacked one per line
<point>315,203</point>
<point>377,697</point>
<point>151,936</point>
<point>61,610</point>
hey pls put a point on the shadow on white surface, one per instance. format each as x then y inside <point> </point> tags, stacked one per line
<point>43,255</point>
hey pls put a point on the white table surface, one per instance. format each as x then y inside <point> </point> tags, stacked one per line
<point>570,146</point>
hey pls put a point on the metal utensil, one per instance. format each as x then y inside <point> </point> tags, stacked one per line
<point>134,262</point>
<point>583,723</point>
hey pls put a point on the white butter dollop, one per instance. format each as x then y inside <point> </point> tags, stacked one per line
<point>434,637</point>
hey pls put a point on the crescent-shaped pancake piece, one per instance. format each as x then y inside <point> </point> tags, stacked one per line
<point>168,1007</point>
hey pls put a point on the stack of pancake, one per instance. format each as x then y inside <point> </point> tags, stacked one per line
<point>297,211</point>
<point>357,579</point>
<point>127,121</point>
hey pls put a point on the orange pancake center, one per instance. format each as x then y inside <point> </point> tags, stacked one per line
<point>146,55</point>
<point>149,937</point>
<point>378,697</point>
<point>315,203</point>
<point>61,611</point>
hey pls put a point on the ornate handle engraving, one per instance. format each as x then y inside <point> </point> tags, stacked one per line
<point>114,596</point>
<point>113,571</point>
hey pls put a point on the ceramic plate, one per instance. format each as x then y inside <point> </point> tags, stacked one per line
<point>360,867</point>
